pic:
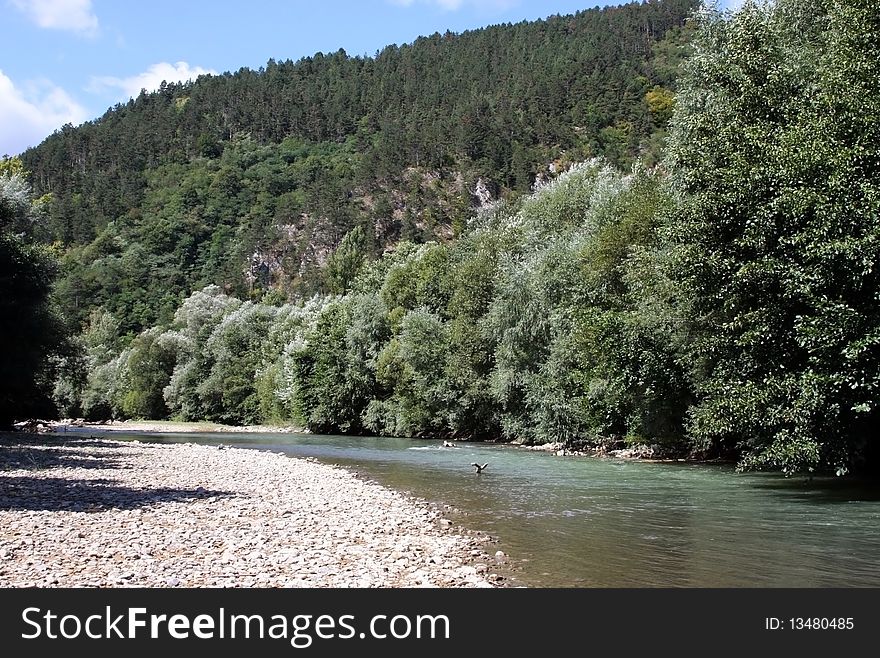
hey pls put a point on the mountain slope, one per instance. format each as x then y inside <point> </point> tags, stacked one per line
<point>250,180</point>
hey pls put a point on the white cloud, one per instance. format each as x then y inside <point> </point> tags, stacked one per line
<point>149,79</point>
<point>73,15</point>
<point>453,5</point>
<point>30,113</point>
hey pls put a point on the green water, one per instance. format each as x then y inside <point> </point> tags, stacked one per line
<point>582,522</point>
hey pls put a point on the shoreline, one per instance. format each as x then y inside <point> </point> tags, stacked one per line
<point>96,512</point>
<point>639,453</point>
<point>167,426</point>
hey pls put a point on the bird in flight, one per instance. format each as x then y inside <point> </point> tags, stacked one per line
<point>479,469</point>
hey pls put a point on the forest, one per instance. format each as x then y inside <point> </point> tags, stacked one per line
<point>250,180</point>
<point>650,224</point>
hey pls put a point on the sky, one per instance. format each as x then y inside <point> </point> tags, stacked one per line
<point>68,61</point>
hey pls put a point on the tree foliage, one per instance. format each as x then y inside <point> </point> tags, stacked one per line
<point>30,331</point>
<point>774,158</point>
<point>252,180</point>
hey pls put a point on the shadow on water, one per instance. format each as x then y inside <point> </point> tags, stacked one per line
<point>820,489</point>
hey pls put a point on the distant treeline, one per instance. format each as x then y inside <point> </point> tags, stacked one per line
<point>533,326</point>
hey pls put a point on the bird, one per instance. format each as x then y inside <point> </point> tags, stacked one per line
<point>479,469</point>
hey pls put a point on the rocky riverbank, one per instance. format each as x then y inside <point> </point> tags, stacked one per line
<point>85,512</point>
<point>165,426</point>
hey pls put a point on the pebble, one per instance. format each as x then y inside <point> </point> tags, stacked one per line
<point>125,514</point>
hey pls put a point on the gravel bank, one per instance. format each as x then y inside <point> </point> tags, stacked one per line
<point>102,513</point>
<point>165,426</point>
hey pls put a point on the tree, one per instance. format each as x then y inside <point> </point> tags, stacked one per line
<point>343,265</point>
<point>325,398</point>
<point>194,323</point>
<point>773,152</point>
<point>661,104</point>
<point>100,396</point>
<point>30,331</point>
<point>228,393</point>
<point>149,362</point>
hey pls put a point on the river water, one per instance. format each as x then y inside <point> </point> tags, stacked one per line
<point>585,522</point>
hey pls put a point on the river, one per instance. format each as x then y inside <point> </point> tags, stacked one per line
<point>586,522</point>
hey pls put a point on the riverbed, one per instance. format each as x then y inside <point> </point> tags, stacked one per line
<point>79,511</point>
<point>588,522</point>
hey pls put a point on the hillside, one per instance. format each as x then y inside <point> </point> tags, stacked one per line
<point>250,180</point>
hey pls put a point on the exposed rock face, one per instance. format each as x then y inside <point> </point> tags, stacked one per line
<point>482,194</point>
<point>105,513</point>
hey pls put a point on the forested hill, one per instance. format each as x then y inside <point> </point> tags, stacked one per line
<point>250,180</point>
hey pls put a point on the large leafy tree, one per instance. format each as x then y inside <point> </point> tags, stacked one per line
<point>29,330</point>
<point>774,153</point>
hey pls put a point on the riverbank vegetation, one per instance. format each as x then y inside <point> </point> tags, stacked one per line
<point>31,330</point>
<point>720,301</point>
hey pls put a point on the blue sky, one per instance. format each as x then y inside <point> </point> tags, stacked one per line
<point>69,60</point>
